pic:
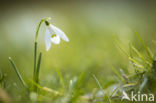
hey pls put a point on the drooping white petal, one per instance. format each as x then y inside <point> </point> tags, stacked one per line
<point>48,40</point>
<point>55,40</point>
<point>58,32</point>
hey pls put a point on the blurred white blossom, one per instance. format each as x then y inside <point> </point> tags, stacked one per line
<point>53,35</point>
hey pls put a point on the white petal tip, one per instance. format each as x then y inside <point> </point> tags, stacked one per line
<point>67,40</point>
<point>47,49</point>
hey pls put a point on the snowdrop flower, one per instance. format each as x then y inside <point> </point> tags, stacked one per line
<point>53,35</point>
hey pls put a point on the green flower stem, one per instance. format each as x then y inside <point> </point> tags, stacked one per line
<point>18,73</point>
<point>37,66</point>
<point>38,27</point>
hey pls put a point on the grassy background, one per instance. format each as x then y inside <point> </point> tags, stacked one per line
<point>90,26</point>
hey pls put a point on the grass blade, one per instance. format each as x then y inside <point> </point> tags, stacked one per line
<point>115,71</point>
<point>98,83</point>
<point>136,63</point>
<point>144,45</point>
<point>38,69</point>
<point>143,84</point>
<point>118,45</point>
<point>17,72</point>
<point>61,77</point>
<point>35,58</point>
<point>79,83</point>
<point>114,91</point>
<point>46,89</point>
<point>141,56</point>
<point>100,86</point>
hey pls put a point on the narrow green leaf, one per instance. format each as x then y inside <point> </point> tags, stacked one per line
<point>35,58</point>
<point>98,83</point>
<point>117,44</point>
<point>38,68</point>
<point>79,83</point>
<point>100,86</point>
<point>61,77</point>
<point>143,84</point>
<point>17,72</point>
<point>136,63</point>
<point>117,74</point>
<point>46,89</point>
<point>130,50</point>
<point>129,85</point>
<point>144,45</point>
<point>114,91</point>
<point>36,74</point>
<point>141,57</point>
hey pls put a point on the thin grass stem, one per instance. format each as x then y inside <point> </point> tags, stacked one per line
<point>38,68</point>
<point>18,73</point>
<point>144,45</point>
<point>100,86</point>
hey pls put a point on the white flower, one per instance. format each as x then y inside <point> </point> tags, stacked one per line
<point>53,35</point>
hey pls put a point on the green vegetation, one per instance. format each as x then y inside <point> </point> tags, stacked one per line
<point>104,57</point>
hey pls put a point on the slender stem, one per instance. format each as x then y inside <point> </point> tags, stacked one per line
<point>17,72</point>
<point>35,53</point>
<point>144,45</point>
<point>38,27</point>
<point>37,31</point>
<point>35,47</point>
<point>100,86</point>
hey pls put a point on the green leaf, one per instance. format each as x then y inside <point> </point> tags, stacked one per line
<point>144,45</point>
<point>38,68</point>
<point>18,73</point>
<point>115,71</point>
<point>100,86</point>
<point>61,77</point>
<point>136,63</point>
<point>37,72</point>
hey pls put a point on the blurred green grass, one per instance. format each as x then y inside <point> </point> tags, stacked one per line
<point>90,26</point>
